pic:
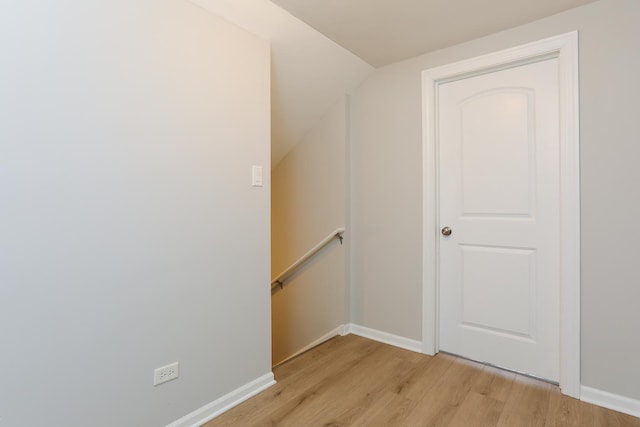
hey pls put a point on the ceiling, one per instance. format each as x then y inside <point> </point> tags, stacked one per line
<point>386,31</point>
<point>323,49</point>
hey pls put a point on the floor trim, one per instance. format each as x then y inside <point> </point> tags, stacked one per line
<point>384,337</point>
<point>217,407</point>
<point>208,412</point>
<point>608,400</point>
<point>340,330</point>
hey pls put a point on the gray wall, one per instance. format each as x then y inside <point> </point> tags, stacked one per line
<point>308,202</point>
<point>386,188</point>
<point>130,234</point>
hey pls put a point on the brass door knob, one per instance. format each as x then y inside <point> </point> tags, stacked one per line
<point>446,231</point>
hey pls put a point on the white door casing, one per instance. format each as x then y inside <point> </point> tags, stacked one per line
<point>561,52</point>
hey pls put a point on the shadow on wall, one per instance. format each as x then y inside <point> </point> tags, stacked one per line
<point>311,304</point>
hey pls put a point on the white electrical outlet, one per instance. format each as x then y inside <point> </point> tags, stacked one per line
<point>166,373</point>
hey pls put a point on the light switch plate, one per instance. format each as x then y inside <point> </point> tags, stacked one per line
<point>256,176</point>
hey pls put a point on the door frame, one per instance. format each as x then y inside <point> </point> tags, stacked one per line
<point>565,48</point>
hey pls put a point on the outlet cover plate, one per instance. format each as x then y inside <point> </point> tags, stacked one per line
<point>166,373</point>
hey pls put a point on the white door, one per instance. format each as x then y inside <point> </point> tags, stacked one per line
<point>499,193</point>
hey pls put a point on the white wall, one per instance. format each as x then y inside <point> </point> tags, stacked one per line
<point>308,203</point>
<point>309,71</point>
<point>386,187</point>
<point>130,234</point>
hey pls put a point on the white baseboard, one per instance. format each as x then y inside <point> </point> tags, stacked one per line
<point>608,400</point>
<point>226,402</point>
<point>340,330</point>
<point>384,337</point>
<point>211,410</point>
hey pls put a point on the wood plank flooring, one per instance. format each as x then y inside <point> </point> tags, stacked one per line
<point>353,381</point>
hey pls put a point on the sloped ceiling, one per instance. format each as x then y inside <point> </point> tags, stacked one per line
<point>322,49</point>
<point>386,31</point>
<point>309,72</point>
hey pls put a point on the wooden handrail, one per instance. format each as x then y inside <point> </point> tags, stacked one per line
<point>282,277</point>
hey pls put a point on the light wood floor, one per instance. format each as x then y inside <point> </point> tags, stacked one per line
<point>352,381</point>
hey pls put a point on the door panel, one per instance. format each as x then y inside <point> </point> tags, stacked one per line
<point>499,193</point>
<point>491,271</point>
<point>502,188</point>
